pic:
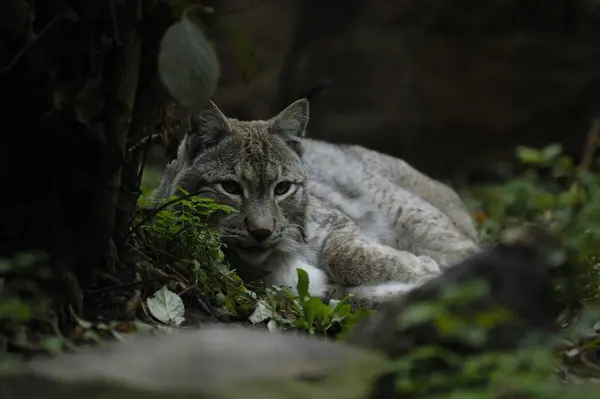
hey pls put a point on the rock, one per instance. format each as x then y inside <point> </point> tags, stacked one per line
<point>206,363</point>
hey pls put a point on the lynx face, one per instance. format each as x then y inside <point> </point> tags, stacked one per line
<point>254,167</point>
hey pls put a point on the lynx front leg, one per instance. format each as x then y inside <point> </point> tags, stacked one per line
<point>353,259</point>
<point>431,233</point>
<point>371,296</point>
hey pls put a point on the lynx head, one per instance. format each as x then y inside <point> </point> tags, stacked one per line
<point>254,167</point>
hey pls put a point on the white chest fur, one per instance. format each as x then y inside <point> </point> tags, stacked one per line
<point>284,274</point>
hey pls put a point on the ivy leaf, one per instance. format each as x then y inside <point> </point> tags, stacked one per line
<point>188,64</point>
<point>166,306</point>
<point>261,313</point>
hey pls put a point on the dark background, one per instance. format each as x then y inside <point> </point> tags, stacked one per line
<point>451,86</point>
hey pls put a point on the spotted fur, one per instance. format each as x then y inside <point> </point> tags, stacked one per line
<point>356,220</point>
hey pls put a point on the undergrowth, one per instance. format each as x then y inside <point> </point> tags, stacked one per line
<point>553,192</point>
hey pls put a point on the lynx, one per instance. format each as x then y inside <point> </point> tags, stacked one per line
<point>357,221</point>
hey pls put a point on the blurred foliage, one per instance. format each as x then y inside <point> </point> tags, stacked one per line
<point>555,193</point>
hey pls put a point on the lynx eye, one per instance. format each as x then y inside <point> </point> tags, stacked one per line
<point>283,187</point>
<point>231,187</point>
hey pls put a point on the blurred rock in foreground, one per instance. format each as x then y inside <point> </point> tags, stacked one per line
<point>211,362</point>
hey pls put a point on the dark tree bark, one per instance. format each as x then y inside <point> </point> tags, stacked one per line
<point>72,77</point>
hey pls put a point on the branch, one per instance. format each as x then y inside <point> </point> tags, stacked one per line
<point>227,10</point>
<point>148,140</point>
<point>235,10</point>
<point>126,286</point>
<point>68,13</point>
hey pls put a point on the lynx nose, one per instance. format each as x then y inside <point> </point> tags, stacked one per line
<point>260,235</point>
<point>260,229</point>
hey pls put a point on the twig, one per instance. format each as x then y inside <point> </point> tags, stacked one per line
<point>591,145</point>
<point>35,39</point>
<point>225,10</point>
<point>204,304</point>
<point>235,10</point>
<point>115,24</point>
<point>148,140</point>
<point>140,173</point>
<point>125,286</point>
<point>133,302</point>
<point>56,329</point>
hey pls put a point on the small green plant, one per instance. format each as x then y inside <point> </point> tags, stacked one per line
<point>183,231</point>
<point>27,321</point>
<point>15,287</point>
<point>303,311</point>
<point>178,240</point>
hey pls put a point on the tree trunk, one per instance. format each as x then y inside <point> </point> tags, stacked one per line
<point>71,76</point>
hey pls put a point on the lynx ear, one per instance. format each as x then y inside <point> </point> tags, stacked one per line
<point>205,130</point>
<point>291,122</point>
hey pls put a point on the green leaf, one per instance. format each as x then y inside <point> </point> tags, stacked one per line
<point>529,155</point>
<point>86,325</point>
<point>220,299</point>
<point>166,306</point>
<point>552,151</point>
<point>341,311</point>
<point>52,345</point>
<point>302,285</point>
<point>90,335</point>
<point>188,64</point>
<point>262,312</point>
<point>419,313</point>
<point>543,201</point>
<point>142,328</point>
<point>14,309</point>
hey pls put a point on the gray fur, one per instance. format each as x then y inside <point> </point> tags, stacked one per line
<point>357,221</point>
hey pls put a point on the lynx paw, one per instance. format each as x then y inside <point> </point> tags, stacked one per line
<point>429,266</point>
